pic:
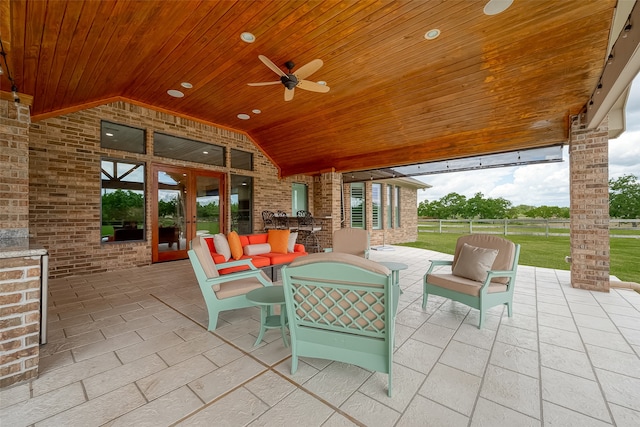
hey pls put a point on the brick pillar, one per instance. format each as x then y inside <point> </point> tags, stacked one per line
<point>327,197</point>
<point>20,272</point>
<point>589,225</point>
<point>14,170</point>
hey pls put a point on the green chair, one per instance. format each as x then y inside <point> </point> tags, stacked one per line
<point>483,274</point>
<point>223,292</point>
<point>341,307</point>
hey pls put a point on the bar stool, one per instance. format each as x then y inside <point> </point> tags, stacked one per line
<point>308,229</point>
<point>268,220</point>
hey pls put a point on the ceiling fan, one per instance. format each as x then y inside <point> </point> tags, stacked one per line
<point>292,80</point>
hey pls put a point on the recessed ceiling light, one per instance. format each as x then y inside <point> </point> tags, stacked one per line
<point>186,85</point>
<point>322,82</point>
<point>256,111</point>
<point>109,134</point>
<point>432,34</point>
<point>175,93</point>
<point>247,37</point>
<point>244,116</point>
<point>495,7</point>
<point>205,152</point>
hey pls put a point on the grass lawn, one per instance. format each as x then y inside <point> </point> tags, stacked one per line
<point>549,252</point>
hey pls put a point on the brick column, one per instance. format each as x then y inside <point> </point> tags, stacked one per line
<point>20,271</point>
<point>14,170</point>
<point>589,225</point>
<point>327,196</point>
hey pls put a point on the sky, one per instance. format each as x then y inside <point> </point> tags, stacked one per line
<point>541,184</point>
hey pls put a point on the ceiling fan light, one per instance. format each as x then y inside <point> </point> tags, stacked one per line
<point>247,37</point>
<point>494,7</point>
<point>322,82</point>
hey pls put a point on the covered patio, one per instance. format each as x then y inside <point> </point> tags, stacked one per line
<point>129,348</point>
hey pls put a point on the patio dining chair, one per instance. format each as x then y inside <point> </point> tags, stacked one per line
<point>227,291</point>
<point>483,274</point>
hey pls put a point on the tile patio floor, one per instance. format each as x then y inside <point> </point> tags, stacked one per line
<point>129,348</point>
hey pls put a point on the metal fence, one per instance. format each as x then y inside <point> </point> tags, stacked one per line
<point>623,228</point>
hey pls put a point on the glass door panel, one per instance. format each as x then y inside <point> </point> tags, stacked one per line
<point>170,238</point>
<point>207,219</point>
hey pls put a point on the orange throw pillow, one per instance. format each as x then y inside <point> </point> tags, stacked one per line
<point>278,240</point>
<point>235,245</point>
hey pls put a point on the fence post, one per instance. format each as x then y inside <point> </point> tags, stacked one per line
<point>546,230</point>
<point>440,226</point>
<point>470,226</point>
<point>505,226</point>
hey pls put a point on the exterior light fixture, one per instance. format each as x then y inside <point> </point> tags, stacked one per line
<point>175,93</point>
<point>247,37</point>
<point>14,87</point>
<point>627,28</point>
<point>610,59</point>
<point>432,34</point>
<point>494,7</point>
<point>243,116</point>
<point>186,85</point>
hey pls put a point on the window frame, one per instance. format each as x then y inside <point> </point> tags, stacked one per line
<point>126,223</point>
<point>362,197</point>
<point>376,206</point>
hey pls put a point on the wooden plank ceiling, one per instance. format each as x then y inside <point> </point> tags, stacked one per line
<point>488,84</point>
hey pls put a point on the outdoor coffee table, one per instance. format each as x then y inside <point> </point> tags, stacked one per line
<point>266,298</point>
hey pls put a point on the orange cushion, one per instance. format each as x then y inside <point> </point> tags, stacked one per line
<point>244,241</point>
<point>235,245</point>
<point>279,240</point>
<point>257,238</point>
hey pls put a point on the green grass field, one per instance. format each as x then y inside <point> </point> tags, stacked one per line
<point>549,252</point>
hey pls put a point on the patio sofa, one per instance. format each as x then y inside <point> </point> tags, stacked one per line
<point>263,249</point>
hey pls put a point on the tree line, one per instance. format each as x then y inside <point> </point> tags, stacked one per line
<point>624,203</point>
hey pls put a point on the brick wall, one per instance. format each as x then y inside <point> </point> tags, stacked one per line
<point>589,204</point>
<point>64,188</point>
<point>19,319</point>
<point>14,170</point>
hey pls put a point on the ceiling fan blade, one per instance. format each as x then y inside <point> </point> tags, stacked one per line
<point>313,86</point>
<point>265,83</point>
<point>307,69</point>
<point>271,65</point>
<point>288,94</point>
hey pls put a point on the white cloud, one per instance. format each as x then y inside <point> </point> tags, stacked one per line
<point>541,184</point>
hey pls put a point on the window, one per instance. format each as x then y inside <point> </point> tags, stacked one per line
<point>241,160</point>
<point>174,147</point>
<point>242,204</point>
<point>396,205</point>
<point>376,205</point>
<point>299,198</point>
<point>122,200</point>
<point>357,205</point>
<point>122,138</point>
<point>389,206</point>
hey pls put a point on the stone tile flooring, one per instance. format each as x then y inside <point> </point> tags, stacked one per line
<point>128,348</point>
